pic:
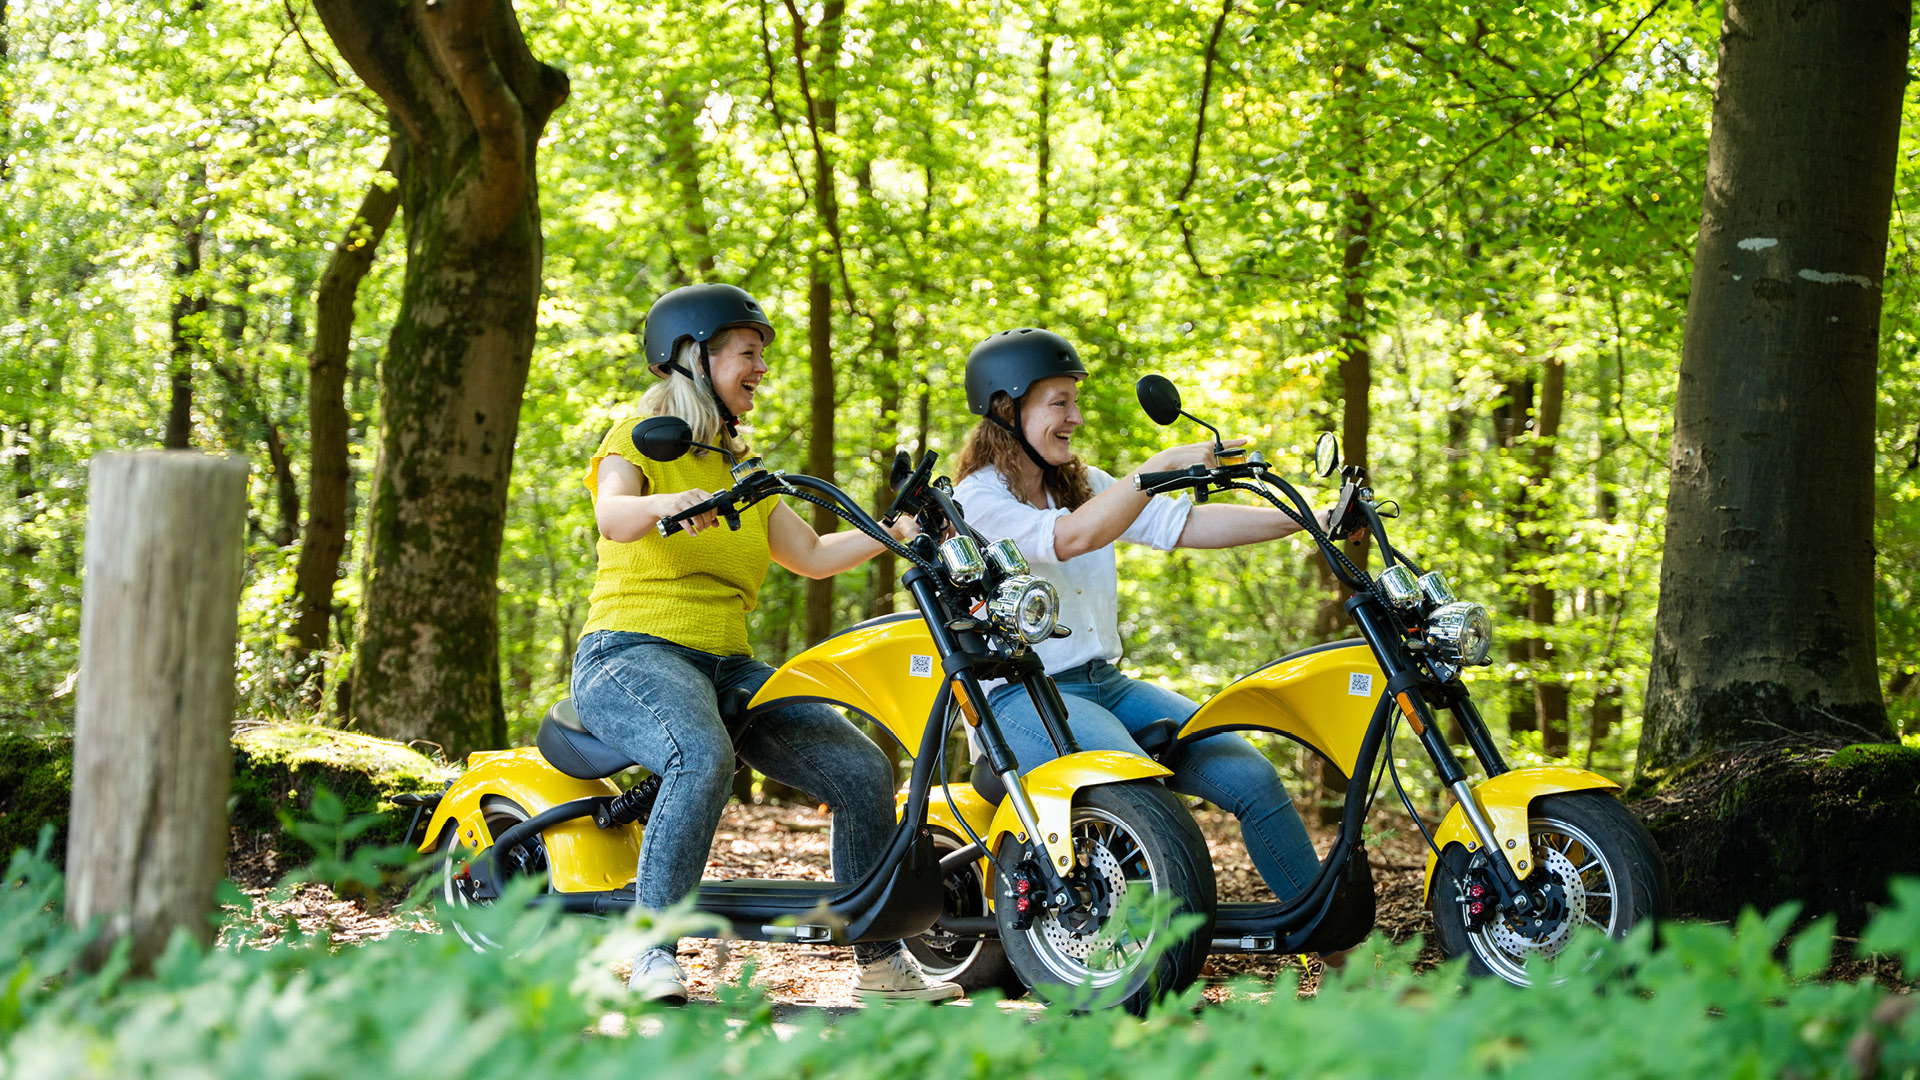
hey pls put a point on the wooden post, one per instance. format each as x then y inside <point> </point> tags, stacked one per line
<point>159,614</point>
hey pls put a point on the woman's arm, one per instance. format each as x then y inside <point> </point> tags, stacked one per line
<point>1102,519</point>
<point>1221,525</point>
<point>797,547</point>
<point>625,512</point>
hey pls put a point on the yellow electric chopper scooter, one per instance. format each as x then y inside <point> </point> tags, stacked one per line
<point>1524,857</point>
<point>1068,839</point>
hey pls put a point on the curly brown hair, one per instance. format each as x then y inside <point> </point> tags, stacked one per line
<point>990,445</point>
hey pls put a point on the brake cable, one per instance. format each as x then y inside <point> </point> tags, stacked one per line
<point>1401,789</point>
<point>946,788</point>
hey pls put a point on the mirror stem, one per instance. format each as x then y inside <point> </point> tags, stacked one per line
<point>1218,446</point>
<point>730,462</point>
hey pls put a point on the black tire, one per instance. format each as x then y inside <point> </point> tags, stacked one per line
<point>456,890</point>
<point>1130,833</point>
<point>1610,874</point>
<point>974,964</point>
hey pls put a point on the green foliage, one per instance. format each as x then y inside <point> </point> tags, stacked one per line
<point>36,787</point>
<point>1712,1000</point>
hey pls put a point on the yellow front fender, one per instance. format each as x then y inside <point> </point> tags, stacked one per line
<point>1506,799</point>
<point>1051,787</point>
<point>975,811</point>
<point>582,856</point>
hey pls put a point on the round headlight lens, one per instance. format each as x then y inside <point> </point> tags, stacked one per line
<point>1025,607</point>
<point>1461,633</point>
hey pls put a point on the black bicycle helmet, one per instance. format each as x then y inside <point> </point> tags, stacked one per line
<point>1013,360</point>
<point>698,312</point>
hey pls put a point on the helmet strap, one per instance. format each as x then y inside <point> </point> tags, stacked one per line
<point>1049,472</point>
<point>706,368</point>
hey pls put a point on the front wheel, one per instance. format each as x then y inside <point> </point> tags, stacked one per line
<point>1129,837</point>
<point>459,889</point>
<point>1594,866</point>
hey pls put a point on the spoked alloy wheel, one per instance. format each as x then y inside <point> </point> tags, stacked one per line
<point>973,964</point>
<point>1124,835</point>
<point>1595,867</point>
<point>457,888</point>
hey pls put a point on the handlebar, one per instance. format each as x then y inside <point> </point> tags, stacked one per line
<point>1167,481</point>
<point>673,523</point>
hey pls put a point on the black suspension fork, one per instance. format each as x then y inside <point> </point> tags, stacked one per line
<point>1052,709</point>
<point>973,704</point>
<point>1474,726</point>
<point>1403,686</point>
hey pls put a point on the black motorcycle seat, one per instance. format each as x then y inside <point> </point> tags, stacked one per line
<point>1157,737</point>
<point>568,746</point>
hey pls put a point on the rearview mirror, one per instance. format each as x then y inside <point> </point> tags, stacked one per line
<point>1326,454</point>
<point>1159,397</point>
<point>663,438</point>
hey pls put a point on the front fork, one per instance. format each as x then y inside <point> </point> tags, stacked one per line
<point>1403,686</point>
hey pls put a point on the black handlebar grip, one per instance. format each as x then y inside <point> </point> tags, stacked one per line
<point>673,523</point>
<point>1144,481</point>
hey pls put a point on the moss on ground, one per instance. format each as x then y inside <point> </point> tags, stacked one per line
<point>276,768</point>
<point>1771,824</point>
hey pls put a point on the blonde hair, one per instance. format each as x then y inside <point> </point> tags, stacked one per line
<point>691,398</point>
<point>990,445</point>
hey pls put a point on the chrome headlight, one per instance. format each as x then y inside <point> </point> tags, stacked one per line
<point>962,558</point>
<point>1025,607</point>
<point>1005,554</point>
<point>1433,586</point>
<point>1397,584</point>
<point>1461,633</point>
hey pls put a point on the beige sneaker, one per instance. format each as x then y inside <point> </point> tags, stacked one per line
<point>899,978</point>
<point>657,977</point>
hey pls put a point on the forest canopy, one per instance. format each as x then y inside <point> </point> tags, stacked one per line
<point>1478,224</point>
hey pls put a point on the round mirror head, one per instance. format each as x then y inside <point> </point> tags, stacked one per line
<point>1326,454</point>
<point>663,438</point>
<point>1159,397</point>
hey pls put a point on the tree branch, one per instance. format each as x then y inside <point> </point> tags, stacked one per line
<point>456,34</point>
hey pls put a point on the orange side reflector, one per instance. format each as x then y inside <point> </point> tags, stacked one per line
<point>966,705</point>
<point>1413,714</point>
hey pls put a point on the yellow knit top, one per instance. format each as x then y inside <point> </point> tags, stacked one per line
<point>692,590</point>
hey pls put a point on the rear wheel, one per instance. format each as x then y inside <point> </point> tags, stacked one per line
<point>1125,836</point>
<point>974,964</point>
<point>1594,866</point>
<point>459,888</point>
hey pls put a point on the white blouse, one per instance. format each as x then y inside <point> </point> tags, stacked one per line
<point>1089,584</point>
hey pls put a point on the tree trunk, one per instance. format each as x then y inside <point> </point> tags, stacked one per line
<point>820,447</point>
<point>1043,165</point>
<point>147,842</point>
<point>1549,688</point>
<point>1766,618</point>
<point>329,477</point>
<point>469,102</point>
<point>187,322</point>
<point>888,377</point>
<point>684,103</point>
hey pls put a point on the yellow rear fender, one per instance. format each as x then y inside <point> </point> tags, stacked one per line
<point>974,811</point>
<point>1052,785</point>
<point>1507,799</point>
<point>582,856</point>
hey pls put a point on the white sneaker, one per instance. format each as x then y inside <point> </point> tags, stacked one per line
<point>899,978</point>
<point>657,976</point>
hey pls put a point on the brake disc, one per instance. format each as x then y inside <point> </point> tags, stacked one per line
<point>1105,869</point>
<point>1546,934</point>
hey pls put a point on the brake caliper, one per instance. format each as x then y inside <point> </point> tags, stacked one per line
<point>1025,893</point>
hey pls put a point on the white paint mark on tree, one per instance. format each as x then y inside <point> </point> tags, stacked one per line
<point>1757,243</point>
<point>1834,279</point>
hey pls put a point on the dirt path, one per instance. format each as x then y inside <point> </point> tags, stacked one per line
<point>791,841</point>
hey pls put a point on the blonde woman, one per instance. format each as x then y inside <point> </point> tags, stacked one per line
<point>667,634</point>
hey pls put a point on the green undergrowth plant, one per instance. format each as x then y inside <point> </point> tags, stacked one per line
<point>1711,1000</point>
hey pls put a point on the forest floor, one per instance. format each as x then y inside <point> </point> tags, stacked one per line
<point>791,841</point>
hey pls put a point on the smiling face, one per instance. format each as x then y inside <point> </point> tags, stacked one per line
<point>738,366</point>
<point>1048,415</point>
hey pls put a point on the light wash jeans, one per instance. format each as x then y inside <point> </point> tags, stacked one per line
<point>657,702</point>
<point>1105,708</point>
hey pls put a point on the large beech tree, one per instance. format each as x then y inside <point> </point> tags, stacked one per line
<point>468,102</point>
<point>1766,622</point>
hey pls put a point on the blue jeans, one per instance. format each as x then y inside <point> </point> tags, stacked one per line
<point>1105,708</point>
<point>657,702</point>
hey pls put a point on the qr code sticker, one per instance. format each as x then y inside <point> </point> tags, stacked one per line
<point>1360,684</point>
<point>920,667</point>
